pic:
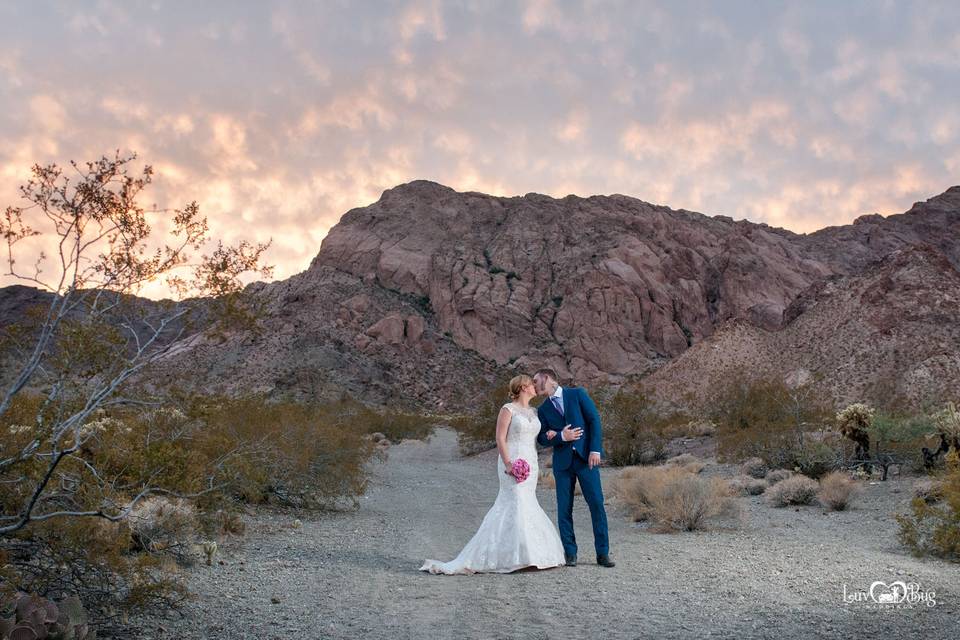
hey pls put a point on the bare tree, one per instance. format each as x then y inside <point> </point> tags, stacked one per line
<point>96,335</point>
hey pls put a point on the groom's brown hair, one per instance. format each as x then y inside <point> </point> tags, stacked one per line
<point>550,373</point>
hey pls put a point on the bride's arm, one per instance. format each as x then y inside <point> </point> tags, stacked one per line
<point>503,426</point>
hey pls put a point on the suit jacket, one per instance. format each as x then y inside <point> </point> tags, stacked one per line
<point>578,411</point>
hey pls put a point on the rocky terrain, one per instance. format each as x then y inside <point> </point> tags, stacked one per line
<point>430,295</point>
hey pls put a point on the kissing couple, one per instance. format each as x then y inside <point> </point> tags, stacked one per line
<point>516,533</point>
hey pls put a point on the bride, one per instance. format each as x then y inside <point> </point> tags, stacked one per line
<point>515,533</point>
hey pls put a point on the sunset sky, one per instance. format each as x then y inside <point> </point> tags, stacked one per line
<point>278,117</point>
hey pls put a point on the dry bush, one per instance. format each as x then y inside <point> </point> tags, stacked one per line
<point>748,485</point>
<point>688,462</point>
<point>754,467</point>
<point>928,489</point>
<point>477,430</point>
<point>796,490</point>
<point>837,490</point>
<point>672,497</point>
<point>761,416</point>
<point>159,523</point>
<point>777,475</point>
<point>934,528</point>
<point>633,431</point>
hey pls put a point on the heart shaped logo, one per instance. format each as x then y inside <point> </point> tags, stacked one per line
<point>893,593</point>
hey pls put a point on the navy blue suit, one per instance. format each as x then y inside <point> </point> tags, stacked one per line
<point>570,464</point>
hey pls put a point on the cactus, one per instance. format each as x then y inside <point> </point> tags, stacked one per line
<point>210,548</point>
<point>853,424</point>
<point>34,617</point>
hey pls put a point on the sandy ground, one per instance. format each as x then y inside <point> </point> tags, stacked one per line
<point>780,574</point>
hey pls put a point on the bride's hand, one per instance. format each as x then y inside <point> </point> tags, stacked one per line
<point>550,434</point>
<point>508,467</point>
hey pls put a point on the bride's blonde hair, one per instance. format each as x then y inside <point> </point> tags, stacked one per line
<point>517,383</point>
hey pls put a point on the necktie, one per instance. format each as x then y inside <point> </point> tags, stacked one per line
<point>556,404</point>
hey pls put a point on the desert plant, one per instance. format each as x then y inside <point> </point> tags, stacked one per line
<point>754,467</point>
<point>777,475</point>
<point>761,416</point>
<point>933,527</point>
<point>748,485</point>
<point>928,489</point>
<point>837,489</point>
<point>632,429</point>
<point>161,523</point>
<point>813,459</point>
<point>86,345</point>
<point>673,497</point>
<point>476,429</point>
<point>686,461</point>
<point>30,617</point>
<point>853,423</point>
<point>795,490</point>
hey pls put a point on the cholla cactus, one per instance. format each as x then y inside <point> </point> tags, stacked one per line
<point>853,423</point>
<point>210,549</point>
<point>948,421</point>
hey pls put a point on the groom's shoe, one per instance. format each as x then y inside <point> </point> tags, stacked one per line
<point>604,560</point>
<point>571,560</point>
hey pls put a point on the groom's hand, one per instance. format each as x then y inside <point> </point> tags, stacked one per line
<point>593,460</point>
<point>571,433</point>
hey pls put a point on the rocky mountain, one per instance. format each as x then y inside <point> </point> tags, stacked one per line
<point>430,295</point>
<point>886,335</point>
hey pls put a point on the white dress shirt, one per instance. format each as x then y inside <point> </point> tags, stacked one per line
<point>558,394</point>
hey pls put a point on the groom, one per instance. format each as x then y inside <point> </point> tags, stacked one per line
<point>569,423</point>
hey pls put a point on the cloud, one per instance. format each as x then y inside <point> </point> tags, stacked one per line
<point>278,117</point>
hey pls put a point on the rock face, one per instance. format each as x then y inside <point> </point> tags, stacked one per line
<point>886,334</point>
<point>605,286</point>
<point>429,294</point>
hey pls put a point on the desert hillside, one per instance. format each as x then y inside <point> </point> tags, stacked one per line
<point>429,294</point>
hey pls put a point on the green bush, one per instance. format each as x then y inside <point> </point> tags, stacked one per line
<point>933,528</point>
<point>633,432</point>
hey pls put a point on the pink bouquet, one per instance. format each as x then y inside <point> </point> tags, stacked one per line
<point>520,470</point>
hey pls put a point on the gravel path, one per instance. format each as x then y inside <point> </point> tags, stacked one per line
<point>354,574</point>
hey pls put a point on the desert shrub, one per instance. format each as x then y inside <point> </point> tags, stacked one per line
<point>837,490</point>
<point>902,436</point>
<point>633,432</point>
<point>934,527</point>
<point>928,489</point>
<point>680,426</point>
<point>761,416</point>
<point>798,489</point>
<point>687,461</point>
<point>161,523</point>
<point>754,467</point>
<point>395,424</point>
<point>748,485</point>
<point>477,429</point>
<point>673,497</point>
<point>165,477</point>
<point>777,475</point>
<point>813,459</point>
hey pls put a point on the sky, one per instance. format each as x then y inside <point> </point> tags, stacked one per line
<point>278,117</point>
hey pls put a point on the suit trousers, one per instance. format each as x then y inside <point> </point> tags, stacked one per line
<point>589,480</point>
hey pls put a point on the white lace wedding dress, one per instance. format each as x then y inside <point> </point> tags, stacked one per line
<point>515,533</point>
